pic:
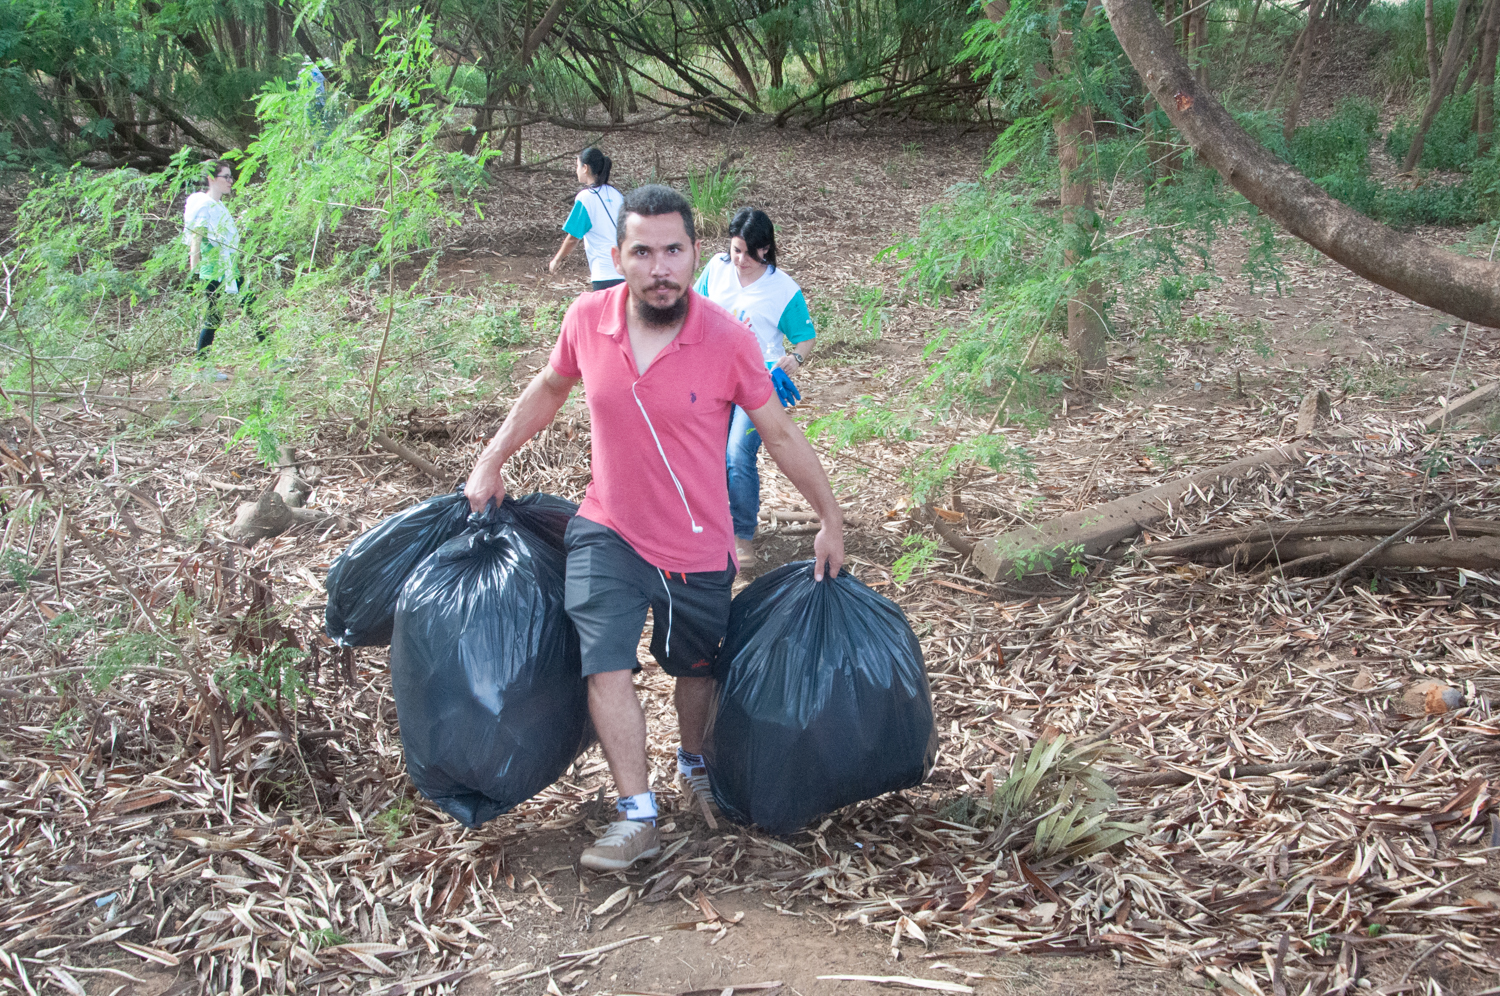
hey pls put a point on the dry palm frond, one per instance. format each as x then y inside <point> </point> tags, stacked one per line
<point>1057,792</point>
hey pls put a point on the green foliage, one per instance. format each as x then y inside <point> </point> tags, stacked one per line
<point>268,681</point>
<point>713,194</point>
<point>122,655</point>
<point>324,937</point>
<point>921,553</point>
<point>1450,144</point>
<point>1401,39</point>
<point>392,822</point>
<point>325,202</point>
<point>17,567</point>
<point>866,420</point>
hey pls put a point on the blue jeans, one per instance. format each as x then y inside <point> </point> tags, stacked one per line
<point>744,478</point>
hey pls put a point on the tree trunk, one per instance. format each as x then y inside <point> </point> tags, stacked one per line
<point>273,32</point>
<point>1442,84</point>
<point>1309,56</point>
<point>1484,97</point>
<point>1462,286</point>
<point>1481,29</point>
<point>1075,139</point>
<point>1432,57</point>
<point>1197,25</point>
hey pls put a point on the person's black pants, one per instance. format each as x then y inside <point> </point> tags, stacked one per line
<point>214,315</point>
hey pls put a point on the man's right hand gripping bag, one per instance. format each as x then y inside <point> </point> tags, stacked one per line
<point>485,669</point>
<point>822,701</point>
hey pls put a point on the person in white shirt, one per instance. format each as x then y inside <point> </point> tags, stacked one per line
<point>596,211</point>
<point>746,282</point>
<point>213,243</point>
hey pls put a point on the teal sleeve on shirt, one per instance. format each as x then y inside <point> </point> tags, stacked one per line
<point>578,223</point>
<point>702,285</point>
<point>796,324</point>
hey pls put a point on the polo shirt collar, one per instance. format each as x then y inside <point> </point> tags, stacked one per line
<point>612,322</point>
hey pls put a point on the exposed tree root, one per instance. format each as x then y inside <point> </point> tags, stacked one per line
<point>278,510</point>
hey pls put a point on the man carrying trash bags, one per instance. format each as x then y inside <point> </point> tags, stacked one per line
<point>513,622</point>
<point>662,370</point>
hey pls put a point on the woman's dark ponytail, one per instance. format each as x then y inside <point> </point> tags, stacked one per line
<point>754,226</point>
<point>598,164</point>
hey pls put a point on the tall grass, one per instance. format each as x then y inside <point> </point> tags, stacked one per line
<point>713,194</point>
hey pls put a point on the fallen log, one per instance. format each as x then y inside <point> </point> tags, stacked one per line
<point>1038,549</point>
<point>1478,554</point>
<point>1252,540</point>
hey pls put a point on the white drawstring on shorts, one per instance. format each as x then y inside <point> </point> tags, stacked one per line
<point>669,610</point>
<point>680,493</point>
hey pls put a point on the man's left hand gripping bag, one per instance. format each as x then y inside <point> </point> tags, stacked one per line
<point>486,672</point>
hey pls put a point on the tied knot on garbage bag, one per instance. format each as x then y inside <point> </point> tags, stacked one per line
<point>823,701</point>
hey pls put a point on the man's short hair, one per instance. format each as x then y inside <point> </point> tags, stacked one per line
<point>654,199</point>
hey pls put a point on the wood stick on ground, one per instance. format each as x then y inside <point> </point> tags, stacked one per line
<point>1229,772</point>
<point>1396,537</point>
<point>1479,554</point>
<point>1277,532</point>
<point>1467,403</point>
<point>406,453</point>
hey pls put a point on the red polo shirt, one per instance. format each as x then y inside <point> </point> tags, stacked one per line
<point>687,393</point>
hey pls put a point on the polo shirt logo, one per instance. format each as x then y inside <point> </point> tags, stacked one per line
<point>692,397</point>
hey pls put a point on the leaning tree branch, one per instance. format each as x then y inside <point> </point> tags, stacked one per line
<point>1459,285</point>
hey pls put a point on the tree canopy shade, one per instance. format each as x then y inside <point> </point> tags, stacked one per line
<point>1459,285</point>
<point>126,82</point>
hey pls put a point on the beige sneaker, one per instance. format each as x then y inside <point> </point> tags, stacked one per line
<point>623,844</point>
<point>744,552</point>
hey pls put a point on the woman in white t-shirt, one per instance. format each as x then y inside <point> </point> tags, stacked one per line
<point>596,211</point>
<point>746,282</point>
<point>213,242</point>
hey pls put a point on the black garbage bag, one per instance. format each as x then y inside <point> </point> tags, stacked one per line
<point>364,583</point>
<point>485,667</point>
<point>822,701</point>
<point>366,580</point>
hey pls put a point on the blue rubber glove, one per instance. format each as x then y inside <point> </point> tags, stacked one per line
<point>785,389</point>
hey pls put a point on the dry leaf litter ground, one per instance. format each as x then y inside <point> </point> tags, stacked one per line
<point>156,839</point>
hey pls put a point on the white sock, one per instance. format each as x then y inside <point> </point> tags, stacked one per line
<point>687,762</point>
<point>641,808</point>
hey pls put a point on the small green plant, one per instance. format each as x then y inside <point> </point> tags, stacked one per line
<point>275,677</point>
<point>123,655</point>
<point>1376,929</point>
<point>392,822</point>
<point>65,728</point>
<point>17,566</point>
<point>713,193</point>
<point>921,553</point>
<point>500,327</point>
<point>1319,942</point>
<point>324,937</point>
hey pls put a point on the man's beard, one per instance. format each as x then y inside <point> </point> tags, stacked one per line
<point>662,318</point>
